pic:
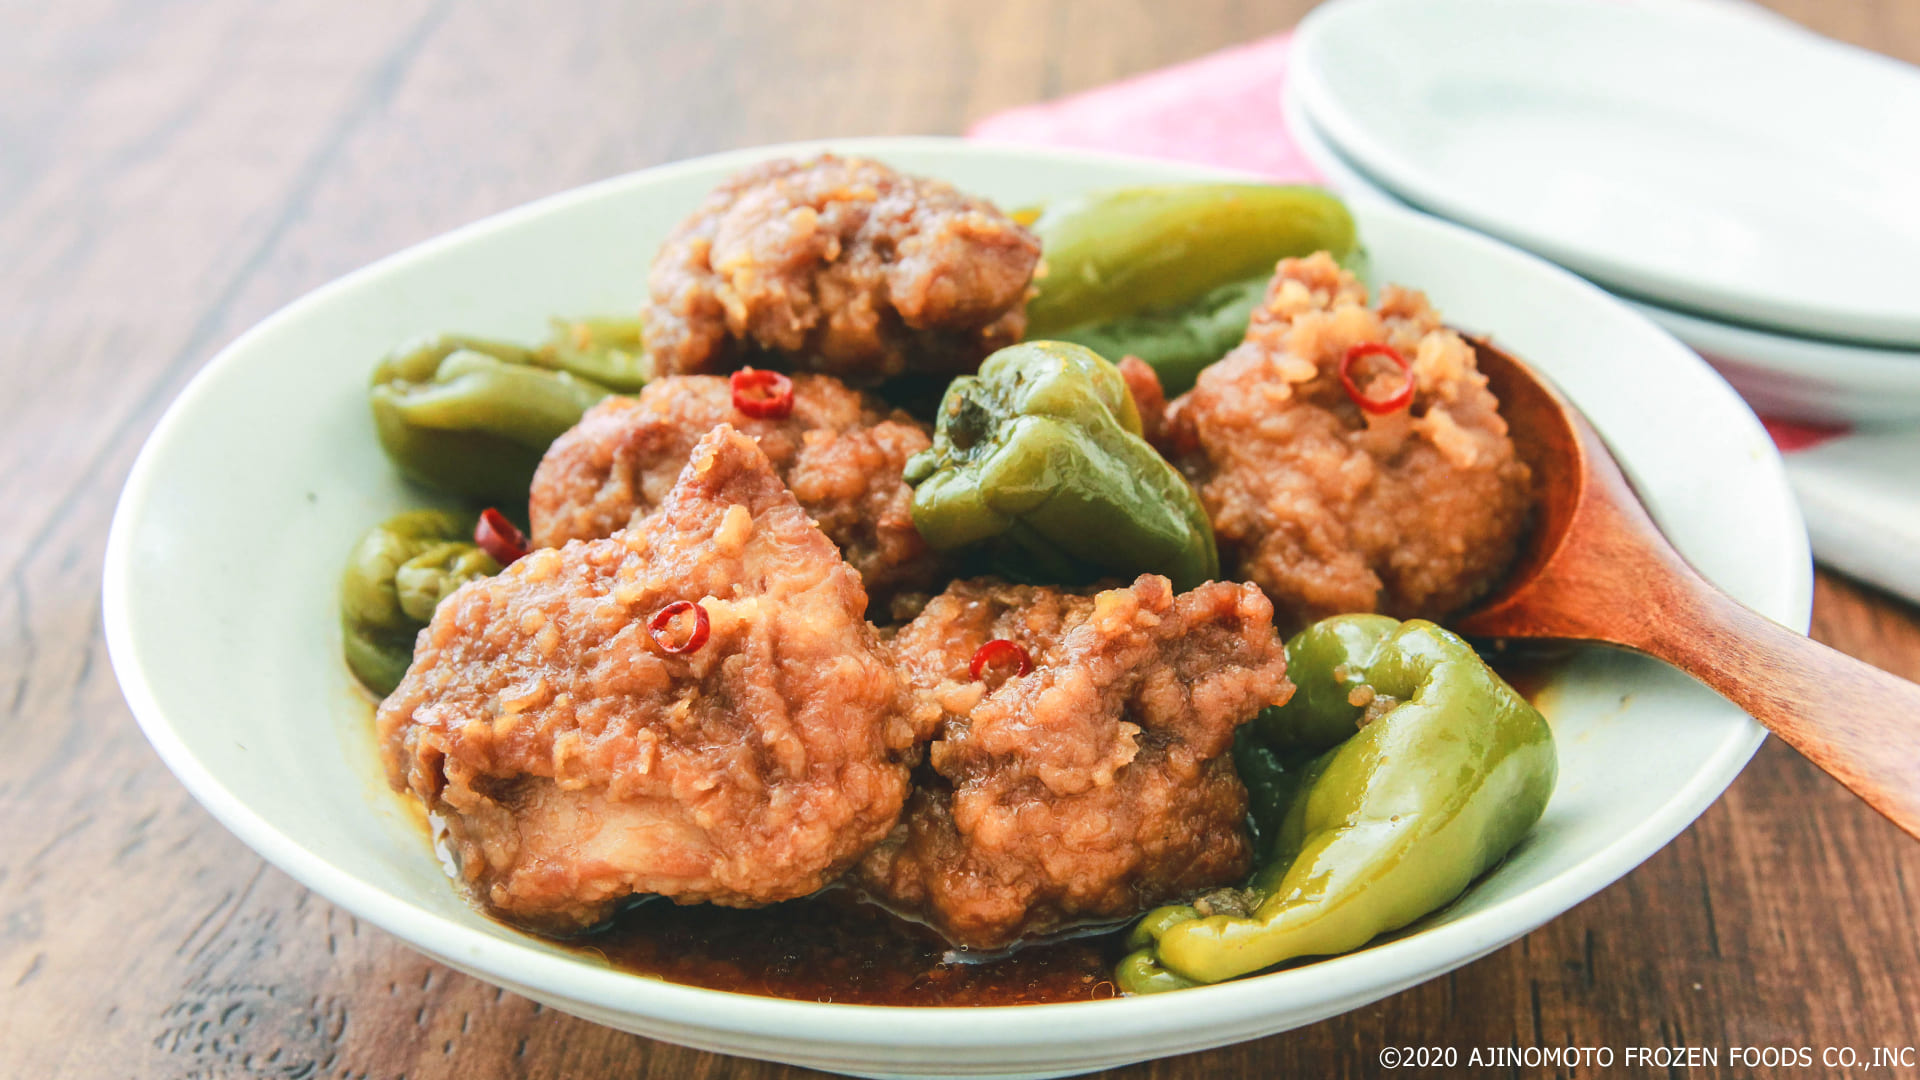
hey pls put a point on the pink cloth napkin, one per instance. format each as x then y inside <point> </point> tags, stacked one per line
<point>1856,488</point>
<point>1222,109</point>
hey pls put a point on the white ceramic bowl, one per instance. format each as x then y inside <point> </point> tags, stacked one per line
<point>222,563</point>
<point>1798,378</point>
<point>1782,375</point>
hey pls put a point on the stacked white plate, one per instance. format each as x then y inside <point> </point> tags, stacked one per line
<point>1750,186</point>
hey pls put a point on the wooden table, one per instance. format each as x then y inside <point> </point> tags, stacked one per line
<point>169,174</point>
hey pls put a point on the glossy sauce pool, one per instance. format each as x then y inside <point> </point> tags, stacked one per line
<point>831,947</point>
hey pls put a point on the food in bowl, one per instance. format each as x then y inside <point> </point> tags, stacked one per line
<point>1413,511</point>
<point>1368,830</point>
<point>1039,466</point>
<point>1093,774</point>
<point>686,691</point>
<point>1170,273</point>
<point>837,449</point>
<point>474,417</point>
<point>842,266</point>
<point>588,734</point>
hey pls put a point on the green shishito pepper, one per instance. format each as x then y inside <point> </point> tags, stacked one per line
<point>601,350</point>
<point>1038,461</point>
<point>1171,273</point>
<point>397,574</point>
<point>473,416</point>
<point>1449,767</point>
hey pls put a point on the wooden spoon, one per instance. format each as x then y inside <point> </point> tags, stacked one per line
<point>1597,568</point>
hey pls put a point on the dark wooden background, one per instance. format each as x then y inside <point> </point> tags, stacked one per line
<point>172,172</point>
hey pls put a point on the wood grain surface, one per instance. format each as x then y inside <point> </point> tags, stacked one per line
<point>172,172</point>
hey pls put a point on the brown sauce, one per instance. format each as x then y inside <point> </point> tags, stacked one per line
<point>831,947</point>
<point>1529,667</point>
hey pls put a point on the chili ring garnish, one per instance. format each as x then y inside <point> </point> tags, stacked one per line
<point>998,653</point>
<point>662,622</point>
<point>763,395</point>
<point>499,538</point>
<point>1379,406</point>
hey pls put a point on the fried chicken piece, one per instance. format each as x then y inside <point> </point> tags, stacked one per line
<point>838,451</point>
<point>1149,398</point>
<point>575,762</point>
<point>839,265</point>
<point>1331,509</point>
<point>1094,787</point>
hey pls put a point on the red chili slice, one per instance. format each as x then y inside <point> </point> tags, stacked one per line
<point>997,653</point>
<point>1379,406</point>
<point>499,538</point>
<point>763,395</point>
<point>662,622</point>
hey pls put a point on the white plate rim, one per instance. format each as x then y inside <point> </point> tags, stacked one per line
<point>1831,367</point>
<point>1758,311</point>
<point>1369,973</point>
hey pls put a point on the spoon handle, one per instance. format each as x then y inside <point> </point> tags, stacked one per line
<point>1857,722</point>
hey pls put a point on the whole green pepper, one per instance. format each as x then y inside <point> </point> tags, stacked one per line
<point>396,575</point>
<point>1178,344</point>
<point>1449,767</point>
<point>474,417</point>
<point>1038,460</point>
<point>601,350</point>
<point>1171,272</point>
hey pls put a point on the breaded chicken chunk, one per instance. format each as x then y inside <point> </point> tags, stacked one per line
<point>840,452</point>
<point>839,265</point>
<point>1333,509</point>
<point>580,751</point>
<point>1095,786</point>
